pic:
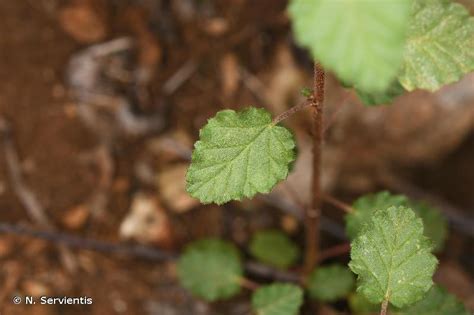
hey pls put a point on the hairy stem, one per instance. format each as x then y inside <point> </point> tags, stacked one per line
<point>292,111</point>
<point>313,213</point>
<point>383,308</point>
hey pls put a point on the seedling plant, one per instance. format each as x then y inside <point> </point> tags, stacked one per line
<point>381,49</point>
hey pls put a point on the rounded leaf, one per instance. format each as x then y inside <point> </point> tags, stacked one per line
<point>239,154</point>
<point>274,248</point>
<point>361,41</point>
<point>365,206</point>
<point>392,258</point>
<point>330,283</point>
<point>211,269</point>
<point>277,299</point>
<point>440,45</point>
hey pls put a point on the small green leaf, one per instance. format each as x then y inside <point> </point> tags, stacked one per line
<point>392,258</point>
<point>211,269</point>
<point>436,302</point>
<point>330,283</point>
<point>365,206</point>
<point>274,248</point>
<point>306,92</point>
<point>277,299</point>
<point>440,45</point>
<point>384,97</point>
<point>435,224</point>
<point>361,41</point>
<point>239,154</point>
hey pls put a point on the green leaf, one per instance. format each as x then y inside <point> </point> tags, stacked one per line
<point>437,302</point>
<point>211,269</point>
<point>361,41</point>
<point>392,258</point>
<point>365,206</point>
<point>277,299</point>
<point>330,283</point>
<point>440,45</point>
<point>384,97</point>
<point>274,248</point>
<point>435,224</point>
<point>239,154</point>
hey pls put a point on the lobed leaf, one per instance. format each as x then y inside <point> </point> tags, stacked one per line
<point>211,269</point>
<point>435,224</point>
<point>239,154</point>
<point>365,206</point>
<point>361,41</point>
<point>277,299</point>
<point>440,45</point>
<point>392,258</point>
<point>330,283</point>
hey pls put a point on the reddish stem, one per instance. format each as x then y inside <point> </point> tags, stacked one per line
<point>313,213</point>
<point>334,251</point>
<point>337,203</point>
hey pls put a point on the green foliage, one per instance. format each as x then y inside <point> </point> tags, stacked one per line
<point>435,225</point>
<point>306,92</point>
<point>239,154</point>
<point>274,248</point>
<point>365,206</point>
<point>384,97</point>
<point>436,302</point>
<point>277,299</point>
<point>211,269</point>
<point>392,257</point>
<point>440,45</point>
<point>330,283</point>
<point>361,41</point>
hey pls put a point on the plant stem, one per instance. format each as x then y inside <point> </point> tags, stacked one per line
<point>313,213</point>
<point>334,251</point>
<point>337,203</point>
<point>383,309</point>
<point>248,284</point>
<point>292,111</point>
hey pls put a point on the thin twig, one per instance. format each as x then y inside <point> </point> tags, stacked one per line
<point>335,251</point>
<point>292,111</point>
<point>265,271</point>
<point>337,203</point>
<point>89,244</point>
<point>462,223</point>
<point>313,213</point>
<point>139,251</point>
<point>248,284</point>
<point>25,195</point>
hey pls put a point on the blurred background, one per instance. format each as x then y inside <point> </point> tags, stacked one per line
<point>100,104</point>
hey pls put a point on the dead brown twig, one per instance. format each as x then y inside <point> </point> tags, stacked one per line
<point>25,194</point>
